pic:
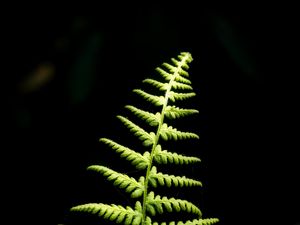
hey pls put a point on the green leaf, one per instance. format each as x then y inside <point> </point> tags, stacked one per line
<point>157,84</point>
<point>175,79</point>
<point>167,76</point>
<point>181,86</point>
<point>182,79</point>
<point>139,161</point>
<point>171,180</point>
<point>156,100</point>
<point>208,221</point>
<point>164,157</point>
<point>150,118</point>
<point>111,212</point>
<point>159,204</point>
<point>137,193</point>
<point>168,133</point>
<point>120,180</point>
<point>173,96</point>
<point>176,70</point>
<point>185,57</point>
<point>144,136</point>
<point>173,112</point>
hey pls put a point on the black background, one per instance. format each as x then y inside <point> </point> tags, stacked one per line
<point>246,97</point>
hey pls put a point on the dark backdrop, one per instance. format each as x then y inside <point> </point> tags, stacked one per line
<point>68,76</point>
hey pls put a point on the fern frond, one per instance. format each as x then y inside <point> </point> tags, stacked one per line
<point>131,185</point>
<point>169,180</point>
<point>156,100</point>
<point>144,136</point>
<point>173,85</point>
<point>117,213</point>
<point>161,86</point>
<point>208,221</point>
<point>156,204</point>
<point>182,79</point>
<point>167,76</point>
<point>177,85</point>
<point>185,57</point>
<point>165,157</point>
<point>173,96</point>
<point>150,118</point>
<point>173,112</point>
<point>138,160</point>
<point>175,62</point>
<point>168,133</point>
<point>181,63</point>
<point>176,70</point>
<point>170,67</point>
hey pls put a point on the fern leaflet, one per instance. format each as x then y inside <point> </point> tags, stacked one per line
<point>165,157</point>
<point>150,118</point>
<point>135,188</point>
<point>169,180</point>
<point>138,160</point>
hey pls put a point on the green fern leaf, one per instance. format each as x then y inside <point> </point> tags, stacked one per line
<point>129,184</point>
<point>169,180</point>
<point>180,96</point>
<point>156,100</point>
<point>182,79</point>
<point>150,118</point>
<point>148,221</point>
<point>185,58</point>
<point>176,69</point>
<point>181,63</point>
<point>167,76</point>
<point>168,133</point>
<point>208,221</point>
<point>173,112</point>
<point>176,62</point>
<point>157,84</point>
<point>175,78</point>
<point>112,212</point>
<point>181,86</point>
<point>165,157</point>
<point>160,204</point>
<point>147,138</point>
<point>139,161</point>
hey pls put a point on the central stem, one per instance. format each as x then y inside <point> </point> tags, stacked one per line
<point>156,141</point>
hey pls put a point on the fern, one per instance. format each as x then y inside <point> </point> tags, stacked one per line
<point>148,204</point>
